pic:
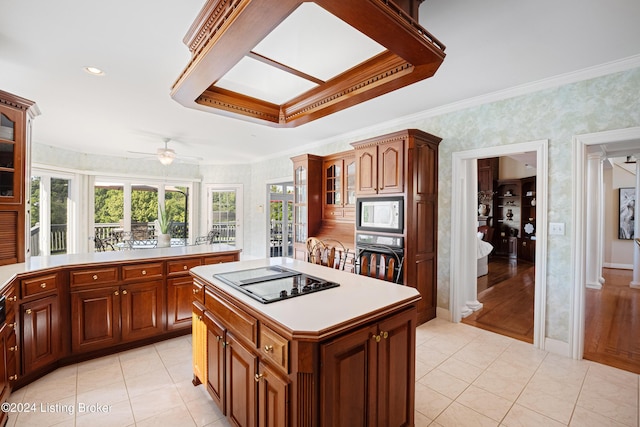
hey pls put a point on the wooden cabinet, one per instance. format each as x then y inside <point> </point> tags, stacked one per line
<point>95,318</point>
<point>406,162</point>
<point>527,246</point>
<point>180,294</point>
<point>307,201</point>
<point>369,375</point>
<point>380,166</point>
<point>239,377</point>
<point>40,333</point>
<point>339,187</point>
<point>16,115</point>
<point>488,172</point>
<point>199,341</point>
<point>141,310</point>
<point>8,350</point>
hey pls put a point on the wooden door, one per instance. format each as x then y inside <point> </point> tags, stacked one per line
<point>391,167</point>
<point>349,386</point>
<point>396,370</point>
<point>142,310</point>
<point>215,360</point>
<point>367,170</point>
<point>41,333</point>
<point>273,395</point>
<point>179,307</point>
<point>95,315</point>
<point>199,344</point>
<point>241,385</point>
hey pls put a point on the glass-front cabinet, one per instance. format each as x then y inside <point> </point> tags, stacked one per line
<point>339,186</point>
<point>307,188</point>
<point>10,159</point>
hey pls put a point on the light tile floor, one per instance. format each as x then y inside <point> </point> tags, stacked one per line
<point>464,377</point>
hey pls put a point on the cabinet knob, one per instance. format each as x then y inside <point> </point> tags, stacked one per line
<point>218,338</point>
<point>268,348</point>
<point>13,377</point>
<point>124,292</point>
<point>200,318</point>
<point>385,335</point>
<point>184,267</point>
<point>14,348</point>
<point>95,277</point>
<point>13,325</point>
<point>195,291</point>
<point>377,338</point>
<point>258,377</point>
<point>13,298</point>
<point>144,272</point>
<point>28,311</point>
<point>43,285</point>
<point>116,293</point>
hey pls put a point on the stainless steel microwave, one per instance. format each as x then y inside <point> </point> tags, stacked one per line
<point>385,214</point>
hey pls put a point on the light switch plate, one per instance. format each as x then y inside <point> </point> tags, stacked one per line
<point>556,228</point>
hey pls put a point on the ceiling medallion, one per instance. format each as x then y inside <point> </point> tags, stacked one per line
<point>287,62</point>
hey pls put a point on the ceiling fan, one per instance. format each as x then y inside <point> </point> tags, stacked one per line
<point>166,155</point>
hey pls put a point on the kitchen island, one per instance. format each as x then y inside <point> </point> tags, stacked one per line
<point>343,356</point>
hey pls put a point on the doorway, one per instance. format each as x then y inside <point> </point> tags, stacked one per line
<point>464,224</point>
<point>224,214</point>
<point>280,219</point>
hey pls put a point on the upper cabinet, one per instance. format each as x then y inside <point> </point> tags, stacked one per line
<point>380,166</point>
<point>307,186</point>
<point>339,186</point>
<point>15,132</point>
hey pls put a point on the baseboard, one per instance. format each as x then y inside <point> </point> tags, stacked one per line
<point>557,347</point>
<point>618,266</point>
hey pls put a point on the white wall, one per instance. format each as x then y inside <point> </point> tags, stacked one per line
<point>617,253</point>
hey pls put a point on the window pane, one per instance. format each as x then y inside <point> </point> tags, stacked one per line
<point>109,215</point>
<point>175,202</point>
<point>144,211</point>
<point>59,215</point>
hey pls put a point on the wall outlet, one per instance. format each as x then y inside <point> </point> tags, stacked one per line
<point>556,228</point>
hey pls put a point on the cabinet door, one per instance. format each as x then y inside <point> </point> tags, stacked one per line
<point>180,294</point>
<point>391,167</point>
<point>241,385</point>
<point>367,170</point>
<point>396,370</point>
<point>142,309</point>
<point>215,360</point>
<point>40,333</point>
<point>12,141</point>
<point>349,382</point>
<point>333,183</point>
<point>4,375</point>
<point>199,345</point>
<point>272,398</point>
<point>95,315</point>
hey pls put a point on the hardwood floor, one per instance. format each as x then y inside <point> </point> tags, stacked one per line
<point>612,322</point>
<point>507,295</point>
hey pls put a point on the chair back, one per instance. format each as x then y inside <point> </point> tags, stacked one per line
<point>381,262</point>
<point>328,252</point>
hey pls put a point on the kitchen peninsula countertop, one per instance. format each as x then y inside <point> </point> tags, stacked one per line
<point>318,314</point>
<point>34,264</point>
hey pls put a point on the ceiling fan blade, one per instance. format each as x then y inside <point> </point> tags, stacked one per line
<point>140,152</point>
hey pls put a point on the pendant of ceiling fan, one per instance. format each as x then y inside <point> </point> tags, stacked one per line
<point>165,155</point>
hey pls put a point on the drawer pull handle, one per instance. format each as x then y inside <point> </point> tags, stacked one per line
<point>116,293</point>
<point>385,335</point>
<point>95,277</point>
<point>258,377</point>
<point>144,272</point>
<point>377,338</point>
<point>13,377</point>
<point>28,311</point>
<point>218,338</point>
<point>200,318</point>
<point>43,285</point>
<point>195,291</point>
<point>14,348</point>
<point>124,292</point>
<point>13,298</point>
<point>13,325</point>
<point>184,267</point>
<point>225,344</point>
<point>268,348</point>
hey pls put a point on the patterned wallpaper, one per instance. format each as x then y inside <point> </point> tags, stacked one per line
<point>557,114</point>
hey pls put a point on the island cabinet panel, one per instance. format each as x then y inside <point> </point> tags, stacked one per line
<point>369,375</point>
<point>199,340</point>
<point>95,315</point>
<point>141,310</point>
<point>41,333</point>
<point>241,382</point>
<point>273,396</point>
<point>216,367</point>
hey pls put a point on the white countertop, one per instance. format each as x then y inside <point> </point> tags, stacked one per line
<point>317,312</point>
<point>8,272</point>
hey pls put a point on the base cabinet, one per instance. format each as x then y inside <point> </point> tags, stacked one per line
<point>179,297</point>
<point>199,341</point>
<point>40,333</point>
<point>369,375</point>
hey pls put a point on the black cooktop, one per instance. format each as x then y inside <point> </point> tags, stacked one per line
<point>274,283</point>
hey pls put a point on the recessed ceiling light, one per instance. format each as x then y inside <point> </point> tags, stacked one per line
<point>94,71</point>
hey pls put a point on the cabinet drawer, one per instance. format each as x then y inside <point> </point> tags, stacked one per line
<point>86,277</point>
<point>239,323</point>
<point>274,347</point>
<point>39,285</point>
<point>182,266</point>
<point>142,271</point>
<point>218,259</point>
<point>198,293</point>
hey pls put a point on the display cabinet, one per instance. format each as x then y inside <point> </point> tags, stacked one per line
<point>339,186</point>
<point>527,246</point>
<point>307,211</point>
<point>16,115</point>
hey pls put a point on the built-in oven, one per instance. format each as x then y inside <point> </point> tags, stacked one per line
<point>368,244</point>
<point>380,214</point>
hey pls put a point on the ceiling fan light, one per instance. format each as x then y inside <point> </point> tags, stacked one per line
<point>166,156</point>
